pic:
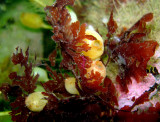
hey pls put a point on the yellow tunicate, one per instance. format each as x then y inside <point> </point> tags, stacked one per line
<point>33,20</point>
<point>70,85</point>
<point>97,46</point>
<point>36,101</point>
<point>96,66</point>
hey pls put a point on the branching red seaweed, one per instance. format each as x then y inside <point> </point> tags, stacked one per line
<point>70,37</point>
<point>28,81</point>
<point>132,52</point>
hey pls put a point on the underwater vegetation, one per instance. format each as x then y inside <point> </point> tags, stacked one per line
<point>80,87</point>
<point>24,22</point>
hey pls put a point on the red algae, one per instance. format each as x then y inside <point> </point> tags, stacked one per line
<point>26,82</point>
<point>132,53</point>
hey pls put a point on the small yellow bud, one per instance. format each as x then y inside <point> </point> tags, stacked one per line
<point>36,101</point>
<point>97,46</point>
<point>70,85</point>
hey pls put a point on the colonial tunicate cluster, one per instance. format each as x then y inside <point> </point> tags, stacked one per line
<point>95,52</point>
